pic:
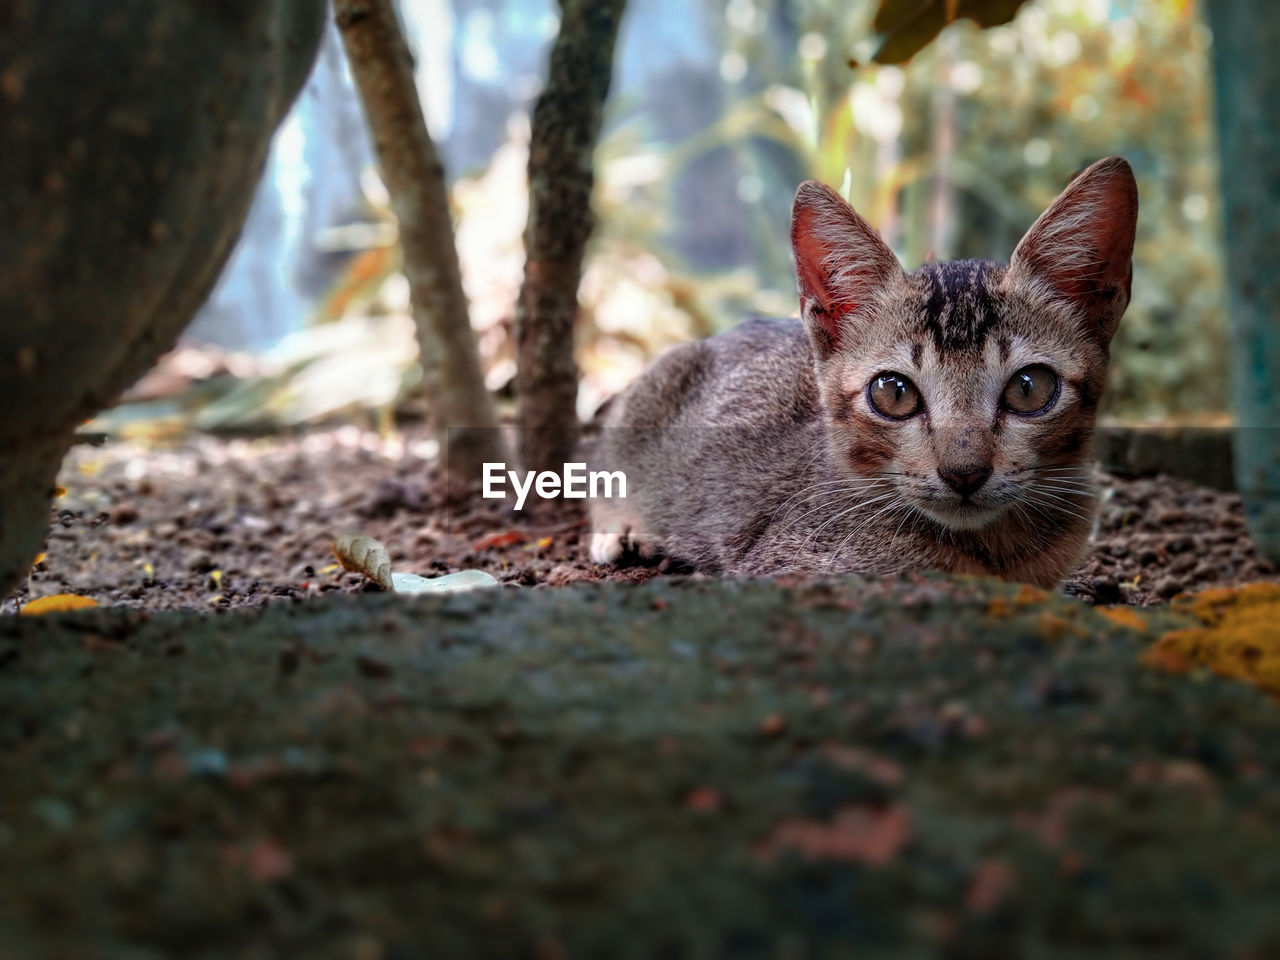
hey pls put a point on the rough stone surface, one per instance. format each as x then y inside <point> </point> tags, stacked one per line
<point>133,140</point>
<point>914,768</point>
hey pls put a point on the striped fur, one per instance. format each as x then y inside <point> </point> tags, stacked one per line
<point>759,452</point>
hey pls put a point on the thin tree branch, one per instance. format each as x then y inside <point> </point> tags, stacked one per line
<point>566,125</point>
<point>461,407</point>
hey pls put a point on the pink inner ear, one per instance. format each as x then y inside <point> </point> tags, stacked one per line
<point>811,253</point>
<point>840,259</point>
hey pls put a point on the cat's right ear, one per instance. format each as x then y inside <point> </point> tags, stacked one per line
<point>841,262</point>
<point>1081,248</point>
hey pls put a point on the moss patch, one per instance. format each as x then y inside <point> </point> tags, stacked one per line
<point>1239,636</point>
<point>889,768</point>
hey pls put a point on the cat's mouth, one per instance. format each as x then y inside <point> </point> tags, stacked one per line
<point>962,514</point>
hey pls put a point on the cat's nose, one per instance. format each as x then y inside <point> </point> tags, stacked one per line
<point>965,481</point>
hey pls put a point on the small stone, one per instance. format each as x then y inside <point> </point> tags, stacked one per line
<point>1204,573</point>
<point>1105,590</point>
<point>772,725</point>
<point>566,573</point>
<point>372,667</point>
<point>124,513</point>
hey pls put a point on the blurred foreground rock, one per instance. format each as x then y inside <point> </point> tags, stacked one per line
<point>907,768</point>
<point>133,138</point>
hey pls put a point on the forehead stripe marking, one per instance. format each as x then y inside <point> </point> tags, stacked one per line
<point>958,311</point>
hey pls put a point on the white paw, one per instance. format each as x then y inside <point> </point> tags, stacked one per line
<point>606,547</point>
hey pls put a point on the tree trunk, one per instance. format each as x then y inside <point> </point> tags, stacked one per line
<point>1247,81</point>
<point>566,123</point>
<point>461,408</point>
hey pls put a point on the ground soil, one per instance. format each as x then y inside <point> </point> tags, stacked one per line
<point>215,524</point>
<point>888,767</point>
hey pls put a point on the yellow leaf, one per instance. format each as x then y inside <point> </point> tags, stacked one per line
<point>329,568</point>
<point>58,603</point>
<point>216,577</point>
<point>363,554</point>
<point>40,558</point>
<point>59,492</point>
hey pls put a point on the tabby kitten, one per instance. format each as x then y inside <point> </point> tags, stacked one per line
<point>938,419</point>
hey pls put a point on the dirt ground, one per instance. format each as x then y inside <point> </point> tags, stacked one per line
<point>215,524</point>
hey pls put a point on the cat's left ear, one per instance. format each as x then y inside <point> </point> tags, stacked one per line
<point>1081,248</point>
<point>841,263</point>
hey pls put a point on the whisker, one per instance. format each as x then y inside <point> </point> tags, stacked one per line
<point>844,485</point>
<point>897,504</point>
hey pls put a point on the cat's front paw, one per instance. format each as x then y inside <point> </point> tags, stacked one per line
<point>606,547</point>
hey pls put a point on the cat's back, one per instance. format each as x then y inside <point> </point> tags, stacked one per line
<point>709,439</point>
<point>761,371</point>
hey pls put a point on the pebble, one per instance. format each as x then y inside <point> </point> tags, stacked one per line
<point>1105,590</point>
<point>124,513</point>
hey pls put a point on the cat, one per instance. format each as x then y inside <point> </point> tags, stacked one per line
<point>940,419</point>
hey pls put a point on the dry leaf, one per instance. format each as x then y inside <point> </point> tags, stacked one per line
<point>363,554</point>
<point>58,603</point>
<point>508,538</point>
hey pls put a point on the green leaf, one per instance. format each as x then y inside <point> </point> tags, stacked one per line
<point>907,26</point>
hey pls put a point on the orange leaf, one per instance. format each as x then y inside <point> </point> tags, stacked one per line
<point>508,538</point>
<point>58,603</point>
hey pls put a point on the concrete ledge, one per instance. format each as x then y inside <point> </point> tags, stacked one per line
<point>870,768</point>
<point>1199,454</point>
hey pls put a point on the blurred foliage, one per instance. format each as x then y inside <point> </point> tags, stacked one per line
<point>951,155</point>
<point>956,153</point>
<point>908,25</point>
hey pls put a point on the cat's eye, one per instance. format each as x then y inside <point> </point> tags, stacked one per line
<point>1031,390</point>
<point>894,396</point>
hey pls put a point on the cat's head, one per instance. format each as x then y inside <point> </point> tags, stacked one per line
<point>971,386</point>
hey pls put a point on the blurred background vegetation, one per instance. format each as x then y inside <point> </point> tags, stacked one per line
<point>720,107</point>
